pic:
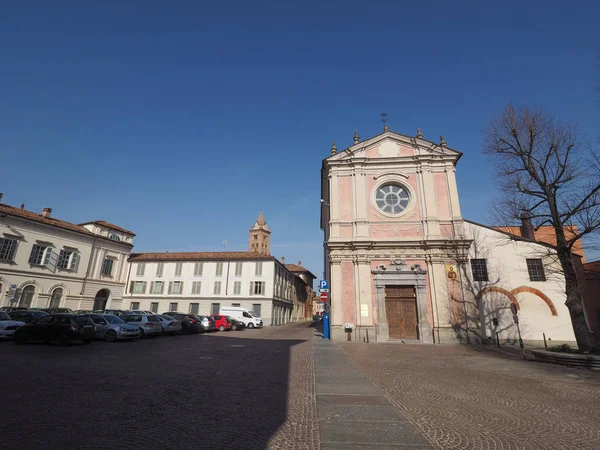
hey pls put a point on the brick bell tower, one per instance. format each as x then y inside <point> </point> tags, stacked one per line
<point>260,233</point>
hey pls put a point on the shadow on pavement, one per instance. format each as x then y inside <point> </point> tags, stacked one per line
<point>201,391</point>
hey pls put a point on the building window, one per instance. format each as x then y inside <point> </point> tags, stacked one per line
<point>255,236</point>
<point>257,288</point>
<point>40,254</point>
<point>107,267</point>
<point>214,308</point>
<point>258,271</point>
<point>198,269</point>
<point>27,296</point>
<point>68,260</point>
<point>172,306</point>
<point>178,268</point>
<point>535,267</point>
<point>175,287</point>
<point>256,309</point>
<point>114,237</point>
<point>160,267</point>
<point>139,287</point>
<point>194,307</point>
<point>154,307</point>
<point>56,298</point>
<point>158,287</point>
<point>479,269</point>
<point>7,249</point>
<point>392,198</point>
<point>238,269</point>
<point>135,305</point>
<point>219,269</point>
<point>196,287</point>
<point>237,287</point>
<point>237,305</point>
<point>217,288</point>
<point>141,269</point>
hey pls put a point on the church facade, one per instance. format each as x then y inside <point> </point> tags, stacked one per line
<point>404,265</point>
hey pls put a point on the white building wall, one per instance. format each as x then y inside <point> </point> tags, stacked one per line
<point>79,286</point>
<point>507,271</point>
<point>206,297</point>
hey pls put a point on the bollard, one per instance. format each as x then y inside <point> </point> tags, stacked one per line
<point>326,326</point>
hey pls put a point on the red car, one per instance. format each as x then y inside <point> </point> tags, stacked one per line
<point>222,322</point>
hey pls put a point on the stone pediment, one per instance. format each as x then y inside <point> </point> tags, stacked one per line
<point>394,145</point>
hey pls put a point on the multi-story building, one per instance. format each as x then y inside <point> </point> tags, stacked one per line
<point>403,263</point>
<point>47,262</point>
<point>305,281</point>
<point>203,282</point>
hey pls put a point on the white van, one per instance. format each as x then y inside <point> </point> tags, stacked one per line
<point>243,315</point>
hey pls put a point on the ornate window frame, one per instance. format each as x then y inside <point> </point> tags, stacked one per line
<point>398,179</point>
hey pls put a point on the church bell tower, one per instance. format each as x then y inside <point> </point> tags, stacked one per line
<point>260,236</point>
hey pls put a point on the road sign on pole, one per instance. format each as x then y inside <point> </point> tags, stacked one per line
<point>324,285</point>
<point>323,296</point>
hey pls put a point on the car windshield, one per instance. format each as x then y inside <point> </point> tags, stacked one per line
<point>4,316</point>
<point>132,318</point>
<point>113,319</point>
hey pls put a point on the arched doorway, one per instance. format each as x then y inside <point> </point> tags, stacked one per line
<point>101,299</point>
<point>55,298</point>
<point>27,296</point>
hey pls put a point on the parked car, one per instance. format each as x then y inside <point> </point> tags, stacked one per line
<point>114,312</point>
<point>317,318</point>
<point>142,312</point>
<point>222,322</point>
<point>170,325</point>
<point>237,325</point>
<point>58,310</point>
<point>82,311</point>
<point>63,328</point>
<point>189,322</point>
<point>13,308</point>
<point>243,315</point>
<point>148,325</point>
<point>207,323</point>
<point>26,315</point>
<point>112,328</point>
<point>8,326</point>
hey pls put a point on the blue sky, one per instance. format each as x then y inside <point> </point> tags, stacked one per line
<point>181,120</point>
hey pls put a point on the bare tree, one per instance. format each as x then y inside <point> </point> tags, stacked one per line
<point>548,169</point>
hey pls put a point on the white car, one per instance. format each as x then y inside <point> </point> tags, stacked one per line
<point>8,326</point>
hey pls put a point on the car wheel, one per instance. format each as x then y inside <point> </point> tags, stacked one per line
<point>64,340</point>
<point>110,336</point>
<point>20,339</point>
<point>221,328</point>
<point>250,325</point>
<point>142,333</point>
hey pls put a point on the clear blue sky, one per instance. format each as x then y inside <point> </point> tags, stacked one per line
<point>180,120</point>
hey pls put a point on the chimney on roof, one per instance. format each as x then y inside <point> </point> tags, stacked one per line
<point>22,205</point>
<point>283,260</point>
<point>47,212</point>
<point>526,227</point>
<point>300,263</point>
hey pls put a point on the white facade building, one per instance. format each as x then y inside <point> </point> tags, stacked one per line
<point>203,282</point>
<point>46,262</point>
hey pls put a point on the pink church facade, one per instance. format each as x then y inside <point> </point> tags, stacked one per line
<point>397,250</point>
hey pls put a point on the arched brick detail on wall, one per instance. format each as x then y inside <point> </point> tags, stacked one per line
<point>540,294</point>
<point>499,290</point>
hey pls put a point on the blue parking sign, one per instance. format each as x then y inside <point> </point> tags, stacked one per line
<point>324,284</point>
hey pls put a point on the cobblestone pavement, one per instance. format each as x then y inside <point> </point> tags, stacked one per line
<point>474,398</point>
<point>252,389</point>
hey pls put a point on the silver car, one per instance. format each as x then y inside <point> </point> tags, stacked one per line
<point>148,325</point>
<point>9,326</point>
<point>112,328</point>
<point>169,324</point>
